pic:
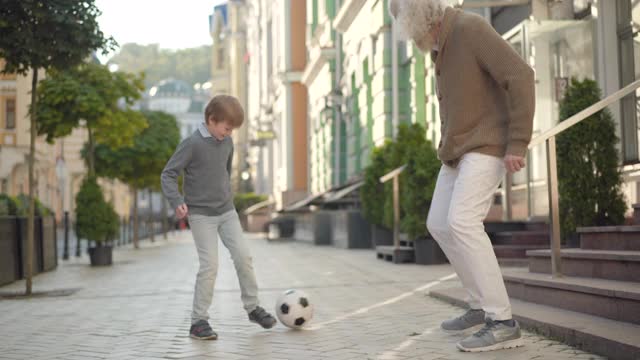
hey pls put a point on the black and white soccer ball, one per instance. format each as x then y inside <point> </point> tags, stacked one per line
<point>294,309</point>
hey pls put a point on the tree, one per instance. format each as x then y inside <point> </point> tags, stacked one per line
<point>38,34</point>
<point>140,164</point>
<point>98,98</point>
<point>420,176</point>
<point>191,65</point>
<point>96,220</point>
<point>589,179</point>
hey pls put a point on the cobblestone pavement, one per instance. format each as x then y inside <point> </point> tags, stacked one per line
<point>365,308</point>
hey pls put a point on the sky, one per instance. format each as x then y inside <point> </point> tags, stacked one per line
<point>170,23</point>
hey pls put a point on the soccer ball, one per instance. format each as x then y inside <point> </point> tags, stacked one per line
<point>294,309</point>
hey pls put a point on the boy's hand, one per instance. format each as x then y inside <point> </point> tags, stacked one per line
<point>513,163</point>
<point>182,211</point>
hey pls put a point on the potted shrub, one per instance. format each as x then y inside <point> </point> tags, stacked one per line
<point>588,164</point>
<point>243,201</point>
<point>420,177</point>
<point>372,196</point>
<point>96,221</point>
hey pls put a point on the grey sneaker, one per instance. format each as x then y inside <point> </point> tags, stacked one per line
<point>493,336</point>
<point>262,317</point>
<point>471,320</point>
<point>202,331</point>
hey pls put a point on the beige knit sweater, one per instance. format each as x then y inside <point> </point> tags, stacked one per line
<point>485,89</point>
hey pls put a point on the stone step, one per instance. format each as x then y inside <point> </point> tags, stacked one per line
<point>602,264</point>
<point>513,262</point>
<point>609,338</point>
<point>515,251</point>
<point>615,300</point>
<point>402,254</point>
<point>610,238</point>
<point>521,238</point>
<point>492,227</point>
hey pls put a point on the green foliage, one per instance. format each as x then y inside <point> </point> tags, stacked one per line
<point>417,182</point>
<point>190,65</point>
<point>96,220</point>
<point>92,93</point>
<point>242,201</point>
<point>588,174</point>
<point>8,206</point>
<point>49,34</point>
<point>408,140</point>
<point>22,206</point>
<point>141,163</point>
<point>420,177</point>
<point>95,95</point>
<point>372,194</point>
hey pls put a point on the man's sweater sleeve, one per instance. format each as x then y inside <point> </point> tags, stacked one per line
<point>169,177</point>
<point>513,74</point>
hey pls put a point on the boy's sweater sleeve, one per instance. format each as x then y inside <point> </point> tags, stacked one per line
<point>169,177</point>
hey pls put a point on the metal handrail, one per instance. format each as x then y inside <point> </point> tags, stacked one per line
<point>585,113</point>
<point>394,174</point>
<point>549,137</point>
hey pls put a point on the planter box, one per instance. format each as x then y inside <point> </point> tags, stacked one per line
<point>314,227</point>
<point>9,251</point>
<point>49,244</point>
<point>350,230</point>
<point>381,236</point>
<point>37,246</point>
<point>256,222</point>
<point>101,255</point>
<point>281,227</point>
<point>428,252</point>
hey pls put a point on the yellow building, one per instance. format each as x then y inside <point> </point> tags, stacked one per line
<point>15,99</point>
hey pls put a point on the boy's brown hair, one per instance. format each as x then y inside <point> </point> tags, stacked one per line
<point>224,108</point>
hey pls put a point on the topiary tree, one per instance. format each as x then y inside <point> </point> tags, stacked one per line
<point>410,138</point>
<point>589,179</point>
<point>372,194</point>
<point>420,177</point>
<point>96,220</point>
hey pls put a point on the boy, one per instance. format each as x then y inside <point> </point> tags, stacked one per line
<point>205,157</point>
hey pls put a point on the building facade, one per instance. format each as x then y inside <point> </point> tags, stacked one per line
<point>277,101</point>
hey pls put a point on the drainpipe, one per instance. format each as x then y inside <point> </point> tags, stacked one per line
<point>394,78</point>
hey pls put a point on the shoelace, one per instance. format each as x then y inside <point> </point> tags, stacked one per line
<point>466,315</point>
<point>489,325</point>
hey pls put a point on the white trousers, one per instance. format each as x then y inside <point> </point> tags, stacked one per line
<point>461,201</point>
<point>206,230</point>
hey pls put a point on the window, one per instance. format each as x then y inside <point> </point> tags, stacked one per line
<point>10,114</point>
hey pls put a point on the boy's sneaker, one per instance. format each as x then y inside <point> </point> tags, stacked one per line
<point>467,321</point>
<point>202,331</point>
<point>262,317</point>
<point>494,335</point>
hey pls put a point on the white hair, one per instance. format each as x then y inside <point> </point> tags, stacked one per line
<point>414,18</point>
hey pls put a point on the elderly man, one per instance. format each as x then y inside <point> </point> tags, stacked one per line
<point>486,95</point>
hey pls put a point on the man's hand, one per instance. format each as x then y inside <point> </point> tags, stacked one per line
<point>513,163</point>
<point>182,211</point>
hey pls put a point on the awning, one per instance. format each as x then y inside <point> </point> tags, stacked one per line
<point>255,207</point>
<point>309,200</point>
<point>338,195</point>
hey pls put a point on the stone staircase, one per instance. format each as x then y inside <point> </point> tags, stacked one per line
<point>594,305</point>
<point>511,240</point>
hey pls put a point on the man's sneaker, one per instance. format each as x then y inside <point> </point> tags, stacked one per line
<point>262,317</point>
<point>493,336</point>
<point>202,331</point>
<point>471,320</point>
